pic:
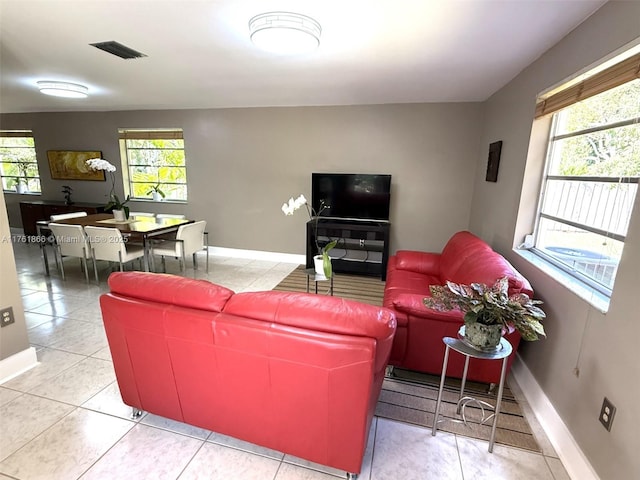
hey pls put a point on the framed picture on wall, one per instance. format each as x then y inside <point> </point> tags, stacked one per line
<point>494,161</point>
<point>71,165</point>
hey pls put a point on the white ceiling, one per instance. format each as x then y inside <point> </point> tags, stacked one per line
<point>200,55</point>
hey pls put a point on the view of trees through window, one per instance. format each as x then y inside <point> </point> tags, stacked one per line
<point>18,165</point>
<point>157,165</point>
<point>593,165</point>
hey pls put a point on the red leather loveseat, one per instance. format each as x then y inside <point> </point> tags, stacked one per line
<point>418,341</point>
<point>297,373</point>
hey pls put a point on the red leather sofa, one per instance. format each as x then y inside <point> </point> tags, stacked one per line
<point>297,373</point>
<point>418,341</point>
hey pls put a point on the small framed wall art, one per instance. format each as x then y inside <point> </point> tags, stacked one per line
<point>494,161</point>
<point>70,165</point>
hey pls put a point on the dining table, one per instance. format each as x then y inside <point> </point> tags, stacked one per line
<point>140,229</point>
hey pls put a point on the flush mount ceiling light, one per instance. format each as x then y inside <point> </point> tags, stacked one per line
<point>62,89</point>
<point>285,32</point>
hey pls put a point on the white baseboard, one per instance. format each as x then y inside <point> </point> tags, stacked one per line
<point>572,457</point>
<point>18,363</point>
<point>258,255</point>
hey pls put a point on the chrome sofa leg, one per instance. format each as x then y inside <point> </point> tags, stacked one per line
<point>135,413</point>
<point>352,476</point>
<point>388,372</point>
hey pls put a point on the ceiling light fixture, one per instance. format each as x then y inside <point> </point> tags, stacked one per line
<point>285,32</point>
<point>62,89</point>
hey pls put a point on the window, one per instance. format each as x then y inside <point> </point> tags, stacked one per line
<point>18,165</point>
<point>590,184</point>
<point>155,160</point>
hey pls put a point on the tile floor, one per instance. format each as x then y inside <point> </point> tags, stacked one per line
<point>64,419</point>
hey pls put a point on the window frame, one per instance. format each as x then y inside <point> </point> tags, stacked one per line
<point>21,134</point>
<point>588,281</point>
<point>150,134</point>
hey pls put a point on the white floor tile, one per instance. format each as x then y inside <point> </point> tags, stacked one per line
<point>503,464</point>
<point>68,449</point>
<point>217,462</point>
<point>145,452</point>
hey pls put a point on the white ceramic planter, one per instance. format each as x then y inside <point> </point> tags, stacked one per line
<point>21,188</point>
<point>318,265</point>
<point>156,197</point>
<point>483,337</point>
<point>119,215</point>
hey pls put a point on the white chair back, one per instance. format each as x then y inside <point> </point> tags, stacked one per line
<point>64,216</point>
<point>109,244</point>
<point>71,240</point>
<point>192,236</point>
<point>106,243</point>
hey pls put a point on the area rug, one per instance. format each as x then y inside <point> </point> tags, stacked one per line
<point>410,397</point>
<point>355,287</point>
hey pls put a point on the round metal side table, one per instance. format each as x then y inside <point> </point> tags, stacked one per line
<point>502,352</point>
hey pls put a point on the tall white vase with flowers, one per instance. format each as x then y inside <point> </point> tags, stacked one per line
<point>119,208</point>
<point>322,261</point>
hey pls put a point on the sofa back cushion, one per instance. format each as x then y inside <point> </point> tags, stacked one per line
<point>171,289</point>
<point>314,312</point>
<point>458,249</point>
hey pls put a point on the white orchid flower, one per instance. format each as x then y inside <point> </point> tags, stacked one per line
<point>300,201</point>
<point>100,164</point>
<point>286,210</point>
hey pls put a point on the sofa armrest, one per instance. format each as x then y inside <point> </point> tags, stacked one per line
<point>412,304</point>
<point>422,262</point>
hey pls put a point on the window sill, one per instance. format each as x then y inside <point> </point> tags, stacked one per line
<point>24,193</point>
<point>585,292</point>
<point>149,200</point>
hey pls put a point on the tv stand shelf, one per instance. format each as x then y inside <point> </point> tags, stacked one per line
<point>362,248</point>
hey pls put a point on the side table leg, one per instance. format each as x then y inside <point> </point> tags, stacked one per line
<point>442,377</point>
<point>498,401</point>
<point>463,383</point>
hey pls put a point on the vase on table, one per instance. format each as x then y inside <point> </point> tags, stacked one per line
<point>318,264</point>
<point>119,215</point>
<point>484,338</point>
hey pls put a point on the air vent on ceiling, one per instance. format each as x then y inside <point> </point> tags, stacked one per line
<point>118,50</point>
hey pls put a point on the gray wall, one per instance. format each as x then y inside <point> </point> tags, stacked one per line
<point>13,338</point>
<point>607,354</point>
<point>243,164</point>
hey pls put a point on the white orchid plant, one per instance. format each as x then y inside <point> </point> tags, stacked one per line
<point>114,202</point>
<point>294,204</point>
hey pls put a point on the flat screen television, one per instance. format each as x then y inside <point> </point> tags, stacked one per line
<point>352,196</point>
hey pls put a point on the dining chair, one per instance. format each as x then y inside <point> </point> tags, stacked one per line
<point>64,216</point>
<point>109,244</point>
<point>70,241</point>
<point>190,239</point>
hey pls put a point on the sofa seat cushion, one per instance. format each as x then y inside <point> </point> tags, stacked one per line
<point>412,304</point>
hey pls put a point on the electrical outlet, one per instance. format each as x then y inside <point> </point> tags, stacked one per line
<point>6,316</point>
<point>607,412</point>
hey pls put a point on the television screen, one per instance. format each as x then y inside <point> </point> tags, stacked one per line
<point>352,196</point>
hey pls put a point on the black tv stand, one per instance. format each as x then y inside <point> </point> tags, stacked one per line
<point>363,245</point>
